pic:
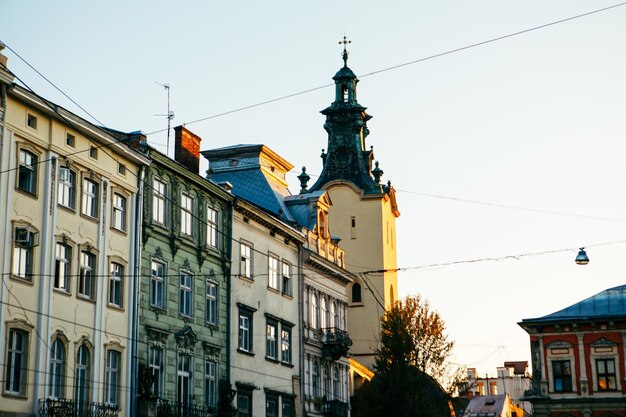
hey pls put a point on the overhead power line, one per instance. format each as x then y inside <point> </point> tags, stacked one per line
<point>415,61</point>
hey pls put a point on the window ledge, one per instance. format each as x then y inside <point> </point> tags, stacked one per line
<point>245,352</point>
<point>62,292</point>
<point>84,298</point>
<point>71,210</point>
<point>288,365</point>
<point>270,359</point>
<point>15,395</point>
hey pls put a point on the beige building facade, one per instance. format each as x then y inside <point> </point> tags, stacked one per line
<point>68,232</point>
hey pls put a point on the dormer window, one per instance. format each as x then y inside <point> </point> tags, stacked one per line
<point>322,225</point>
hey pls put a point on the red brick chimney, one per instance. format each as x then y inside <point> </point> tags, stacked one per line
<point>187,149</point>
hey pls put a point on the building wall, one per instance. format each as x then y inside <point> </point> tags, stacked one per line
<point>166,328</point>
<point>369,245</point>
<point>44,308</point>
<point>258,372</point>
<point>581,346</point>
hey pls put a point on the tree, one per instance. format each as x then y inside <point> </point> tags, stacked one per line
<point>410,365</point>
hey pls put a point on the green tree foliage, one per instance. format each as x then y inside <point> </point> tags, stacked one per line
<point>410,365</point>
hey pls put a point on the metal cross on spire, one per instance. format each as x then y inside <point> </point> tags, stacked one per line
<point>344,55</point>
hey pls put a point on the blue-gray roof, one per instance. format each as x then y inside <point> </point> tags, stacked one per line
<point>609,303</point>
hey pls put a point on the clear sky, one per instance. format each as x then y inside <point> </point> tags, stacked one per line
<point>535,121</point>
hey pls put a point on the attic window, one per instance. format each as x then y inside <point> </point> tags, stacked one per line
<point>234,162</point>
<point>490,402</point>
<point>31,121</point>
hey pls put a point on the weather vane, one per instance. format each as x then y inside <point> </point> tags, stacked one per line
<point>344,55</point>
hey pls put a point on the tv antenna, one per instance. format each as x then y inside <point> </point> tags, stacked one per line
<point>169,115</point>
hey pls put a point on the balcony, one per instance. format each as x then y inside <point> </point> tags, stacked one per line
<point>336,343</point>
<point>70,408</point>
<point>335,408</point>
<point>168,408</point>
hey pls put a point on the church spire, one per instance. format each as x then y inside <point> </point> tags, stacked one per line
<point>347,158</point>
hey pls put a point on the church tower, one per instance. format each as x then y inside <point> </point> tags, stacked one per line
<point>362,215</point>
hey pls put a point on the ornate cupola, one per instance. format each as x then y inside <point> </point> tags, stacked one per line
<point>347,158</point>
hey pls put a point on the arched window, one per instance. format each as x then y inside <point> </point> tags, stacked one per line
<point>315,380</point>
<point>314,312</point>
<point>323,313</point>
<point>57,369</point>
<point>336,386</point>
<point>83,365</point>
<point>334,320</point>
<point>326,379</point>
<point>356,292</point>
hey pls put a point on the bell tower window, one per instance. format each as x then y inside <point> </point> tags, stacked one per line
<point>344,93</point>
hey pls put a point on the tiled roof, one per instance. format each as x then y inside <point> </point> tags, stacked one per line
<point>606,304</point>
<point>485,406</point>
<point>519,367</point>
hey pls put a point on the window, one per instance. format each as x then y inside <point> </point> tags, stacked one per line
<point>186,215</point>
<point>155,364</point>
<point>157,285</point>
<point>244,402</point>
<point>62,267</point>
<point>285,344</point>
<point>67,185</point>
<point>562,374</point>
<point>353,227</point>
<point>271,405</point>
<point>210,383</point>
<point>158,201</point>
<point>605,369</point>
<point>186,294</point>
<point>90,198</point>
<point>211,302</point>
<point>119,212</point>
<point>336,384</point>
<point>323,313</point>
<point>31,121</point>
<point>183,378</point>
<point>57,369</point>
<point>271,343</point>
<point>273,272</point>
<point>93,152</point>
<point>245,330</point>
<point>211,227</point>
<point>325,380</point>
<point>16,364</point>
<point>356,292</point>
<point>288,407</point>
<point>121,168</point>
<point>27,174</point>
<point>83,368</point>
<point>70,140</point>
<point>112,387</point>
<point>116,288</point>
<point>315,380</point>
<point>334,322</point>
<point>287,279</point>
<point>246,261</point>
<point>86,278</point>
<point>24,241</point>
<point>314,312</point>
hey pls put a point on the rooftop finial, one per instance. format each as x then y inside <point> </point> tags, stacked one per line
<point>344,55</point>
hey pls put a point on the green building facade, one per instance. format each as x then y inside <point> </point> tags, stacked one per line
<point>184,286</point>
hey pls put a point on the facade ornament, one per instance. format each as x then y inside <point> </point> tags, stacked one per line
<point>157,337</point>
<point>187,264</point>
<point>304,179</point>
<point>186,339</point>
<point>158,253</point>
<point>377,173</point>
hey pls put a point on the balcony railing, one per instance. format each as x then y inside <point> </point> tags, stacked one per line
<point>335,408</point>
<point>168,408</point>
<point>61,407</point>
<point>336,343</point>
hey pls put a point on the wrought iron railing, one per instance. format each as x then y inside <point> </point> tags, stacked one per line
<point>61,407</point>
<point>169,408</point>
<point>335,408</point>
<point>336,342</point>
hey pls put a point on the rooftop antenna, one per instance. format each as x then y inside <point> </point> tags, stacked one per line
<point>169,115</point>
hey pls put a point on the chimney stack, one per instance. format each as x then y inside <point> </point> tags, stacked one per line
<point>187,149</point>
